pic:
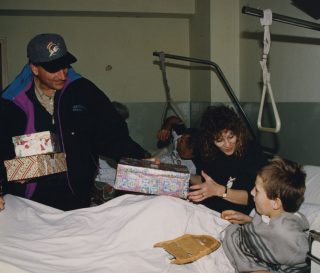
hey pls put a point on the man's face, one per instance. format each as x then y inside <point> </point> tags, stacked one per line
<point>184,151</point>
<point>50,81</point>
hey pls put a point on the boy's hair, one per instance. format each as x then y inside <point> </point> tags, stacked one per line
<point>284,179</point>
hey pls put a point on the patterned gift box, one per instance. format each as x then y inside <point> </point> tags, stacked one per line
<point>28,167</point>
<point>147,177</point>
<point>36,143</point>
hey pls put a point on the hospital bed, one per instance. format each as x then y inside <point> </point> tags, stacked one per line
<point>311,208</point>
<point>118,236</point>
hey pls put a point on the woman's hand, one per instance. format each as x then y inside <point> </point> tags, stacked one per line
<point>235,217</point>
<point>2,203</point>
<point>205,190</point>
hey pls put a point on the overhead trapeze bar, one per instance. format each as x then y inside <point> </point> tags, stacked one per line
<point>282,18</point>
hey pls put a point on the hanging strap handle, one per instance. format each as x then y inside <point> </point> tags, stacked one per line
<point>266,21</point>
<point>169,104</point>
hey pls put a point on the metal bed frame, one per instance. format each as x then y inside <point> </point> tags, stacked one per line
<point>220,75</point>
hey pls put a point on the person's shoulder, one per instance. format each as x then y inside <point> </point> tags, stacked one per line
<point>85,87</point>
<point>82,83</point>
<point>295,221</point>
<point>253,155</point>
<point>253,147</point>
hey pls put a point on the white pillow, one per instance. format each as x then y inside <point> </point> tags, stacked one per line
<point>312,194</point>
<point>312,212</point>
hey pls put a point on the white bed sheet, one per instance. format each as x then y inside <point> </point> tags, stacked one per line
<point>117,236</point>
<point>312,194</point>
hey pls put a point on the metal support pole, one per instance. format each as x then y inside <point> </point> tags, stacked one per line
<point>224,81</point>
<point>282,18</point>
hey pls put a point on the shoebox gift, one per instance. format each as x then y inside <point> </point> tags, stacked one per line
<point>147,177</point>
<point>21,168</point>
<point>36,143</point>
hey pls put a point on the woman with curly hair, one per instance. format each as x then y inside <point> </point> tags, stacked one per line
<point>227,162</point>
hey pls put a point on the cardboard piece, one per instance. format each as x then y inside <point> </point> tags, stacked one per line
<point>189,248</point>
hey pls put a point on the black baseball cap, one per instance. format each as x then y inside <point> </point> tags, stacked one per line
<point>49,51</point>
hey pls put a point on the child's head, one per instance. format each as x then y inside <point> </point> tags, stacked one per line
<point>279,185</point>
<point>282,182</point>
<point>187,142</point>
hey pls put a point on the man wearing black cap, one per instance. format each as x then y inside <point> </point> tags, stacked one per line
<point>48,95</point>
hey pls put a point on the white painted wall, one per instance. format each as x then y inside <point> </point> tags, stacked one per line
<point>119,37</point>
<point>225,46</point>
<point>116,6</point>
<point>294,55</point>
<point>124,33</point>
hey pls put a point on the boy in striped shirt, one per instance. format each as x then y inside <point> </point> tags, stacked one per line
<point>275,238</point>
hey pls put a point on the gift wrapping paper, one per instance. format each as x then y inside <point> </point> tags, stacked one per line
<point>36,143</point>
<point>146,177</point>
<point>21,168</point>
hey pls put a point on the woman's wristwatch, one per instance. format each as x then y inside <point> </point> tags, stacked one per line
<point>225,193</point>
<point>228,186</point>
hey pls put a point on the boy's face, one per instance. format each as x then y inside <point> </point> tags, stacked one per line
<point>182,147</point>
<point>264,205</point>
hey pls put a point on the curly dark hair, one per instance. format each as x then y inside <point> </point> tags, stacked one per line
<point>214,121</point>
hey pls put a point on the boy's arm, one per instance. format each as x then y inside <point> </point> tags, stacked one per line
<point>236,217</point>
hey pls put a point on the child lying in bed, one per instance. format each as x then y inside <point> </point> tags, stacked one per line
<point>275,239</point>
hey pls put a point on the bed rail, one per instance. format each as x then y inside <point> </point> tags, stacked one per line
<point>223,79</point>
<point>282,18</point>
<point>313,236</point>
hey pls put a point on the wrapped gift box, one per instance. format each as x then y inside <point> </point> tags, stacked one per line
<point>36,143</point>
<point>147,177</point>
<point>21,168</point>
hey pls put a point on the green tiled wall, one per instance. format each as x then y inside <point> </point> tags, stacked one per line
<point>297,140</point>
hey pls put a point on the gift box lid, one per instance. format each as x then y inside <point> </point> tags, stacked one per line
<point>152,165</point>
<point>21,139</point>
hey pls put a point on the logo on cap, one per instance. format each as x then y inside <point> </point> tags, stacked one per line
<point>53,49</point>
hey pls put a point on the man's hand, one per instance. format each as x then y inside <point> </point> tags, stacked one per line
<point>21,181</point>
